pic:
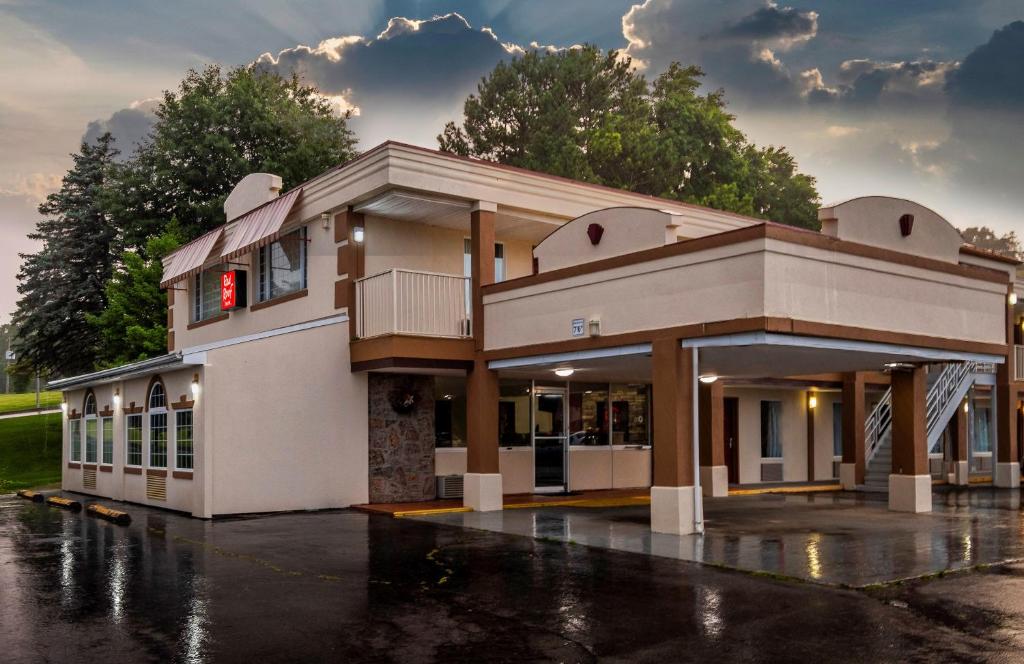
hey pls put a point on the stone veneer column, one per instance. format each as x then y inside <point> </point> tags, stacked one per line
<point>401,439</point>
<point>674,501</point>
<point>851,470</point>
<point>714,474</point>
<point>482,490</point>
<point>910,484</point>
<point>958,429</point>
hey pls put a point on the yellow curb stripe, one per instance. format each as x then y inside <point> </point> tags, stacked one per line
<point>981,479</point>
<point>442,510</point>
<point>788,489</point>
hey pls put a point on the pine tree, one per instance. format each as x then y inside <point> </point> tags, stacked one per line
<point>62,284</point>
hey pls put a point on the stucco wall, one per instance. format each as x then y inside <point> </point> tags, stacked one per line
<point>624,230</point>
<point>875,220</point>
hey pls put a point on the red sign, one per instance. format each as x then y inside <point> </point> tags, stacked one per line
<point>228,290</point>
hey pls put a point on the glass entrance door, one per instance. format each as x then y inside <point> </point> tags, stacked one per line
<point>549,439</point>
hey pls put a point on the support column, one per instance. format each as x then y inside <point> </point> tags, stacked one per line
<point>812,402</point>
<point>674,502</point>
<point>1007,470</point>
<point>958,430</point>
<point>910,484</point>
<point>714,474</point>
<point>851,470</point>
<point>482,490</point>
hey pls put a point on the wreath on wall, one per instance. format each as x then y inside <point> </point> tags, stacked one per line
<point>404,400</point>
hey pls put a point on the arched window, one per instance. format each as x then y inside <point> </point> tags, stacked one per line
<point>157,425</point>
<point>90,427</point>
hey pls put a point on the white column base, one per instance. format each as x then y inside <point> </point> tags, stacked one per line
<point>714,481</point>
<point>961,474</point>
<point>1007,475</point>
<point>673,510</point>
<point>481,492</point>
<point>910,493</point>
<point>848,476</point>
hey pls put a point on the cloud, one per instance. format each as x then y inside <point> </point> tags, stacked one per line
<point>129,126</point>
<point>775,27</point>
<point>866,81</point>
<point>33,187</point>
<point>992,75</point>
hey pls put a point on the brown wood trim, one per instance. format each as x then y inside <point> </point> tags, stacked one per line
<point>74,465</point>
<point>279,300</point>
<point>763,230</point>
<point>209,321</point>
<point>74,415</point>
<point>410,363</point>
<point>170,340</point>
<point>341,294</point>
<point>170,298</point>
<point>971,250</point>
<point>755,324</point>
<point>132,470</point>
<point>106,412</point>
<point>341,225</point>
<point>156,472</point>
<point>132,409</point>
<point>89,466</point>
<point>106,469</point>
<point>182,474</point>
<point>408,347</point>
<point>170,318</point>
<point>345,254</point>
<point>183,403</point>
<point>149,388</point>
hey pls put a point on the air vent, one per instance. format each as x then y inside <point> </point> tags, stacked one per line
<point>771,472</point>
<point>449,486</point>
<point>89,478</point>
<point>156,487</point>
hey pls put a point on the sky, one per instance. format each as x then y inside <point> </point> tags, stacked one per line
<point>921,99</point>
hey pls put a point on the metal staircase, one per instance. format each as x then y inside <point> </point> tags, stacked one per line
<point>945,393</point>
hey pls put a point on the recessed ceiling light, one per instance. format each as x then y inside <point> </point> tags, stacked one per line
<point>564,372</point>
<point>707,379</point>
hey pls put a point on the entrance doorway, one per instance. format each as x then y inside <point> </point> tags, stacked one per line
<point>731,433</point>
<point>550,438</point>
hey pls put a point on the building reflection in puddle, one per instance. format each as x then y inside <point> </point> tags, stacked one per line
<point>196,633</point>
<point>814,556</point>
<point>117,580</point>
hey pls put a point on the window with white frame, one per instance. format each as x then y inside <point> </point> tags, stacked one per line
<point>281,266</point>
<point>133,440</point>
<point>771,429</point>
<point>206,294</point>
<point>157,427</point>
<point>90,428</point>
<point>183,440</point>
<point>107,431</point>
<point>499,260</point>
<point>75,440</point>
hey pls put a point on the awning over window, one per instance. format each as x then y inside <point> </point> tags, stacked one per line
<point>189,259</point>
<point>260,226</point>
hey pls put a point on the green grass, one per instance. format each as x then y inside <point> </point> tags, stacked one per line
<point>10,403</point>
<point>30,449</point>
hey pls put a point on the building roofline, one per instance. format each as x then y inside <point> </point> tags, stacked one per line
<point>974,250</point>
<point>134,369</point>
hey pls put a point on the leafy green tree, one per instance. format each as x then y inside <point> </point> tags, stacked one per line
<point>63,283</point>
<point>587,115</point>
<point>985,238</point>
<point>215,129</point>
<point>133,325</point>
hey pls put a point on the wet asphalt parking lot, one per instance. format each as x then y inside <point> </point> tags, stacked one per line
<point>346,586</point>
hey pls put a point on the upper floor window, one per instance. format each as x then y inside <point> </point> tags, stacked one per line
<point>206,294</point>
<point>90,404</point>
<point>157,396</point>
<point>499,260</point>
<point>281,266</point>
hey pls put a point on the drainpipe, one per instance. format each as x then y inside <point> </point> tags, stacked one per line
<point>698,497</point>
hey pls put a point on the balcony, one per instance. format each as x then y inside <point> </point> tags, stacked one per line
<point>1018,362</point>
<point>409,302</point>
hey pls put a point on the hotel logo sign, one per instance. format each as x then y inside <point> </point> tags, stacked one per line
<point>232,290</point>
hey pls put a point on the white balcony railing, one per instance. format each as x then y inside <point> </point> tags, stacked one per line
<point>1018,362</point>
<point>410,302</point>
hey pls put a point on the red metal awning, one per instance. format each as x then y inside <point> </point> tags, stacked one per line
<point>260,226</point>
<point>189,259</point>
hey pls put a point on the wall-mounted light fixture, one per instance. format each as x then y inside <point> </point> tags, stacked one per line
<point>707,379</point>
<point>564,372</point>
<point>64,405</point>
<point>358,234</point>
<point>812,402</point>
<point>117,398</point>
<point>1012,299</point>
<point>967,407</point>
<point>195,386</point>
<point>595,327</point>
<point>325,220</point>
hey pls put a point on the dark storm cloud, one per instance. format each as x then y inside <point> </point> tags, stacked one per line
<point>129,127</point>
<point>774,24</point>
<point>864,81</point>
<point>992,75</point>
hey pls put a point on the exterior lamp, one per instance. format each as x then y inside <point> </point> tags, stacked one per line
<point>966,407</point>
<point>812,402</point>
<point>325,220</point>
<point>564,372</point>
<point>64,406</point>
<point>1012,298</point>
<point>358,234</point>
<point>195,386</point>
<point>117,398</point>
<point>707,379</point>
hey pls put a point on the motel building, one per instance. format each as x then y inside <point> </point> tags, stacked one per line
<point>413,324</point>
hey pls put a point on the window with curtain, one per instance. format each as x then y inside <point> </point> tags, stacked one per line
<point>771,429</point>
<point>107,430</point>
<point>75,440</point>
<point>206,294</point>
<point>981,426</point>
<point>183,442</point>
<point>837,429</point>
<point>281,266</point>
<point>133,440</point>
<point>90,439</point>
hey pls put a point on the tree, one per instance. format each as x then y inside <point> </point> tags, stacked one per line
<point>133,325</point>
<point>985,238</point>
<point>587,115</point>
<point>63,283</point>
<point>214,130</point>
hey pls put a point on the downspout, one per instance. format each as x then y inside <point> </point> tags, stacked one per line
<point>698,497</point>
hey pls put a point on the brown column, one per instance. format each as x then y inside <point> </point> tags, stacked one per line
<point>958,431</point>
<point>1006,414</point>
<point>481,234</point>
<point>351,263</point>
<point>710,400</point>
<point>810,436</point>
<point>853,423</point>
<point>673,413</point>
<point>482,419</point>
<point>909,423</point>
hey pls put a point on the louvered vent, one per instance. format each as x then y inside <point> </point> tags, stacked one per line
<point>771,472</point>
<point>89,478</point>
<point>156,487</point>
<point>449,486</point>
